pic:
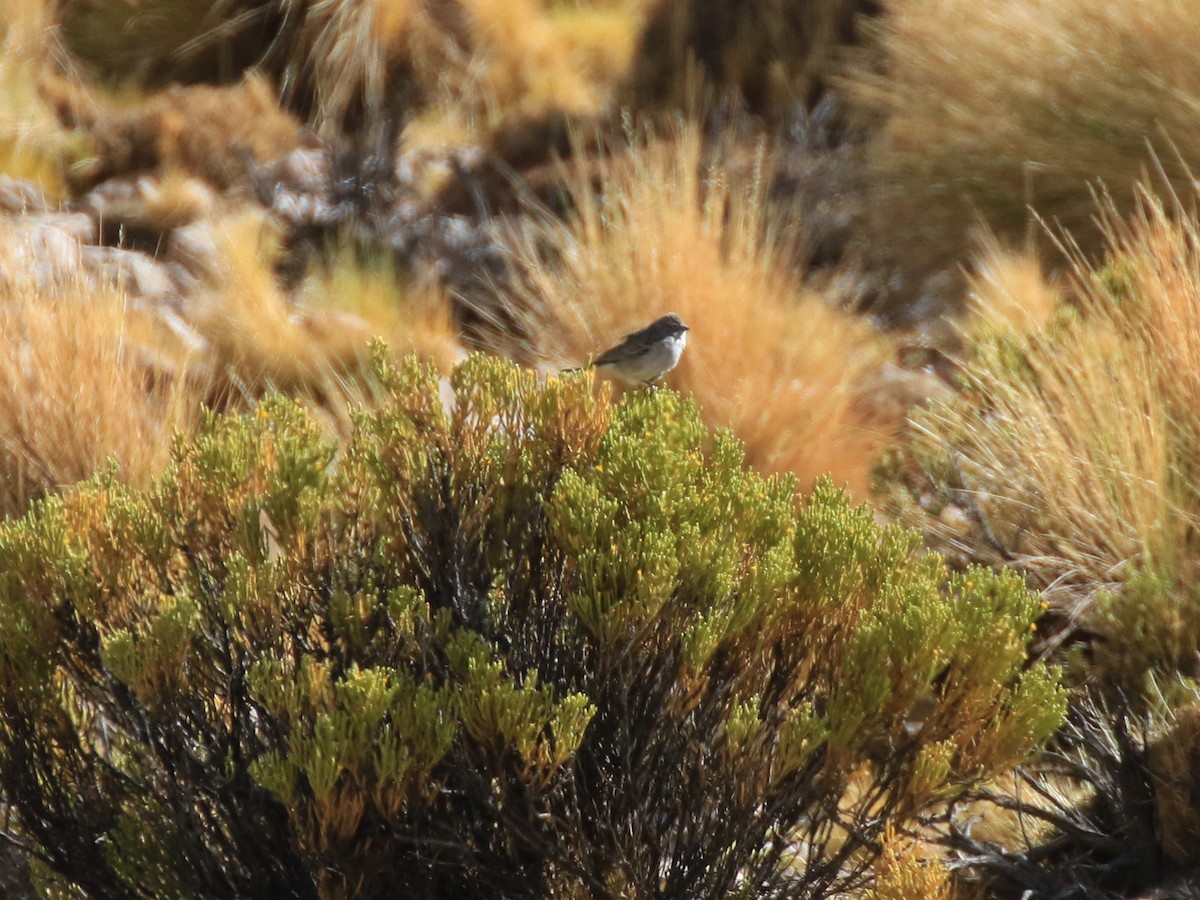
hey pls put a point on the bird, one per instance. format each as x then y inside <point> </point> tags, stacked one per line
<point>645,356</point>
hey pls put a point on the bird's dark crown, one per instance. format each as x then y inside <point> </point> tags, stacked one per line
<point>664,326</point>
<point>674,320</point>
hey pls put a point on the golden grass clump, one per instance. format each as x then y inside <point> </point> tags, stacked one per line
<point>364,67</point>
<point>664,231</point>
<point>411,319</point>
<point>246,318</point>
<point>33,143</point>
<point>317,345</point>
<point>1010,290</point>
<point>84,379</point>
<point>215,133</point>
<point>355,64</point>
<point>994,108</point>
<point>90,374</point>
<point>1073,450</point>
<point>519,59</point>
<point>600,37</point>
<point>332,61</point>
<point>484,60</point>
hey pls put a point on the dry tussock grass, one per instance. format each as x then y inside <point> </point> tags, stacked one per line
<point>252,329</point>
<point>317,342</point>
<point>1074,446</point>
<point>474,59</point>
<point>33,145</point>
<point>600,37</point>
<point>364,67</point>
<point>992,108</point>
<point>1154,278</point>
<point>667,230</point>
<point>1010,290</point>
<point>216,133</point>
<point>88,374</point>
<point>521,62</point>
<point>479,63</point>
<point>370,295</point>
<point>84,379</point>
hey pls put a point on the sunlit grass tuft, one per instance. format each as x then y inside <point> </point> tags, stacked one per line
<point>361,68</point>
<point>668,231</point>
<point>1010,289</point>
<point>317,342</point>
<point>33,145</point>
<point>85,378</point>
<point>89,374</point>
<point>372,293</point>
<point>991,109</point>
<point>245,318</point>
<point>1074,448</point>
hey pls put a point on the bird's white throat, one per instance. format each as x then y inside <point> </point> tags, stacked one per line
<point>676,344</point>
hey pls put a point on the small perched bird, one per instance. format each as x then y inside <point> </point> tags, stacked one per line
<point>645,356</point>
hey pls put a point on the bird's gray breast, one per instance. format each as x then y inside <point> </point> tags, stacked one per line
<point>659,359</point>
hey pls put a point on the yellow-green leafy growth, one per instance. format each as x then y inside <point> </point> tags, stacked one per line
<point>511,639</point>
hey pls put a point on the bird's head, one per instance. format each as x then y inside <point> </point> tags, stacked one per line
<point>669,325</point>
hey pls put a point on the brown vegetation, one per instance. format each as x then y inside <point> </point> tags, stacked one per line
<point>772,56</point>
<point>671,228</point>
<point>83,384</point>
<point>215,133</point>
<point>993,113</point>
<point>200,204</point>
<point>1071,453</point>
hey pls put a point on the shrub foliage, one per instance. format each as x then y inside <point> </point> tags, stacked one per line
<point>510,640</point>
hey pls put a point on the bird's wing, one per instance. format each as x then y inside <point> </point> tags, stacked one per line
<point>610,355</point>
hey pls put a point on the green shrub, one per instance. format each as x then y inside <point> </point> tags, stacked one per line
<point>523,642</point>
